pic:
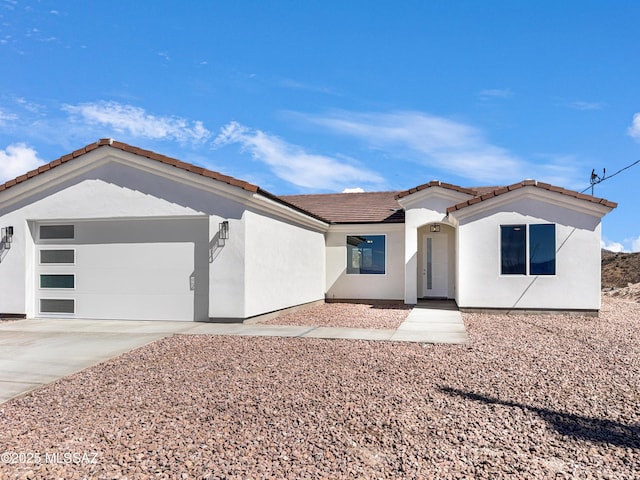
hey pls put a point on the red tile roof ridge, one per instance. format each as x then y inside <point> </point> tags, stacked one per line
<point>530,183</point>
<point>110,142</point>
<point>137,151</point>
<point>437,183</point>
<point>479,193</point>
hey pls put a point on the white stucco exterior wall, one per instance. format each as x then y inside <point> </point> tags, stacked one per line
<point>87,200</point>
<point>107,186</point>
<point>576,284</point>
<point>227,270</point>
<point>340,285</point>
<point>422,208</point>
<point>284,264</point>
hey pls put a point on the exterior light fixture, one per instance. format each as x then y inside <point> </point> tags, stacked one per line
<point>223,230</point>
<point>7,237</point>
<point>434,228</point>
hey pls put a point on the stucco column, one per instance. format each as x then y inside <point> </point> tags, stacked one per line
<point>410,262</point>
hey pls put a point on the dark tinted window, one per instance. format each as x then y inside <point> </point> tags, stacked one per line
<point>513,252</point>
<point>366,254</point>
<point>542,249</point>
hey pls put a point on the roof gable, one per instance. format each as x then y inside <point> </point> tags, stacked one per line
<point>436,183</point>
<point>137,151</point>
<point>530,183</point>
<point>367,207</point>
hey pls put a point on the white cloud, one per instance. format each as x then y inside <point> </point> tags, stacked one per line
<point>445,145</point>
<point>580,105</point>
<point>4,117</point>
<point>611,246</point>
<point>17,159</point>
<point>293,164</point>
<point>440,143</point>
<point>634,129</point>
<point>635,244</point>
<point>353,190</point>
<point>295,85</point>
<point>137,122</point>
<point>495,93</point>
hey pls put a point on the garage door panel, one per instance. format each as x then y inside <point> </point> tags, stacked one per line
<point>154,280</point>
<point>135,307</point>
<point>148,281</point>
<point>135,255</point>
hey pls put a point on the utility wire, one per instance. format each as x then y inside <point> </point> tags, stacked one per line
<point>600,180</point>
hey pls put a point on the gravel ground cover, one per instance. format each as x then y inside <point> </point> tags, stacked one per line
<point>352,315</point>
<point>529,397</point>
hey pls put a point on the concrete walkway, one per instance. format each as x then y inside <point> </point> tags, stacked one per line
<point>433,321</point>
<point>36,352</point>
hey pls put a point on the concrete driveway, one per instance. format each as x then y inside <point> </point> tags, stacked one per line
<point>36,352</point>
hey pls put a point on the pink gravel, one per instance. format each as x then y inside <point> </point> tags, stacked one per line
<point>382,316</point>
<point>531,396</point>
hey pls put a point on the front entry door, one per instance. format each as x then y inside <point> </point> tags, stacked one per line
<point>435,266</point>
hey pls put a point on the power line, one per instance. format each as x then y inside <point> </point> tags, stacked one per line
<point>595,179</point>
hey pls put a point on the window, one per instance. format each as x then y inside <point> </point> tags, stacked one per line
<point>513,249</point>
<point>57,305</point>
<point>366,254</point>
<point>57,256</point>
<point>542,249</point>
<point>538,259</point>
<point>57,232</point>
<point>57,281</point>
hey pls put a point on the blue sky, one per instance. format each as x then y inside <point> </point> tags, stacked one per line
<point>323,96</point>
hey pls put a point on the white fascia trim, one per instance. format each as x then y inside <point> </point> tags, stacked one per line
<point>270,206</point>
<point>533,193</point>
<point>103,156</point>
<point>366,227</point>
<point>50,178</point>
<point>419,197</point>
<point>54,221</point>
<point>245,197</point>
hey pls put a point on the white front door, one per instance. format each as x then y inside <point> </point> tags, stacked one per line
<point>435,266</point>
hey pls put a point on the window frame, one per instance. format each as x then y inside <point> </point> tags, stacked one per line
<point>45,312</point>
<point>530,253</point>
<point>41,263</point>
<point>524,256</point>
<point>56,239</point>
<point>62,289</point>
<point>527,253</point>
<point>348,257</point>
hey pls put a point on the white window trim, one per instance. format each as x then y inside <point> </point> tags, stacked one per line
<point>346,255</point>
<point>56,240</point>
<point>57,264</point>
<point>57,314</point>
<point>527,258</point>
<point>56,289</point>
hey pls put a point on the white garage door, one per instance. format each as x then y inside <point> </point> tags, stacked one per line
<point>133,270</point>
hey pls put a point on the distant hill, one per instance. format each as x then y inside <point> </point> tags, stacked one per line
<point>620,269</point>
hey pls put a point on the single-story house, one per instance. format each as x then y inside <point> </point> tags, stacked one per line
<point>112,231</point>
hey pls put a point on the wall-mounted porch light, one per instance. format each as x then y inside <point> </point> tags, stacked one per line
<point>223,230</point>
<point>6,237</point>
<point>434,228</point>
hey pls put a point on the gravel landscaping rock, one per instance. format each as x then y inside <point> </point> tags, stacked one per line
<point>353,315</point>
<point>531,396</point>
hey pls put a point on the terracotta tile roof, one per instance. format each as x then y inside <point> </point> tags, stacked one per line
<point>157,157</point>
<point>367,207</point>
<point>137,151</point>
<point>436,183</point>
<point>529,183</point>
